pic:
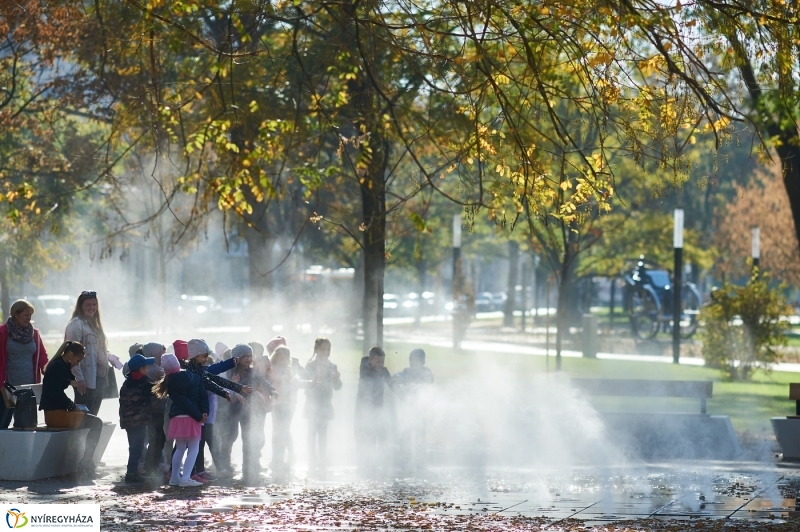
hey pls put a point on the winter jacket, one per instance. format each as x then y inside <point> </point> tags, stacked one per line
<point>370,385</point>
<point>248,377</point>
<point>319,396</point>
<point>57,378</point>
<point>411,380</point>
<point>39,357</point>
<point>211,379</point>
<point>134,402</point>
<point>96,354</point>
<point>286,383</point>
<point>188,395</point>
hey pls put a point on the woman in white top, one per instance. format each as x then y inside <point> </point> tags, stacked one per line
<point>91,374</point>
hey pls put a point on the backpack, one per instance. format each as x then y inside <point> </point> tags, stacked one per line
<point>25,407</point>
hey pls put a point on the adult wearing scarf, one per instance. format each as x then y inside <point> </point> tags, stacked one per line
<point>22,353</point>
<point>91,374</point>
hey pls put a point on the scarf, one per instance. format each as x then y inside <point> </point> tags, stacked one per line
<point>22,336</point>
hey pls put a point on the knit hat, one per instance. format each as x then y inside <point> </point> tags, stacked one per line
<point>274,343</point>
<point>153,349</point>
<point>197,347</point>
<point>257,347</point>
<point>220,349</point>
<point>170,364</point>
<point>241,350</point>
<point>132,349</point>
<point>181,350</point>
<point>138,361</point>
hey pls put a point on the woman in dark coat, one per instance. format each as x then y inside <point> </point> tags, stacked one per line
<point>60,411</point>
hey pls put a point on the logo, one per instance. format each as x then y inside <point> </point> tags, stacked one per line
<point>16,518</point>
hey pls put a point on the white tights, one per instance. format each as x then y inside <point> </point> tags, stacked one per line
<point>181,445</point>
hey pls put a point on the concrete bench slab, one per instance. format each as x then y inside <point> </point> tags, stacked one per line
<point>41,453</point>
<point>671,435</point>
<point>787,432</point>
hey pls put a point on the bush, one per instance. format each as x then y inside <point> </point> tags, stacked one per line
<point>743,327</point>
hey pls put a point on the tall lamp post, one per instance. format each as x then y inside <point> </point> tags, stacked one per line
<point>456,242</point>
<point>755,249</point>
<point>456,257</point>
<point>677,284</point>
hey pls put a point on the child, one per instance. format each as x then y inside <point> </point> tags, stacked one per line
<point>250,413</point>
<point>188,411</point>
<point>134,411</point>
<point>319,406</point>
<point>410,385</point>
<point>286,383</point>
<point>155,426</point>
<point>370,423</point>
<point>198,353</point>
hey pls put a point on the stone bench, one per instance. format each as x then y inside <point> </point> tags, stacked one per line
<point>33,454</point>
<point>787,429</point>
<point>665,435</point>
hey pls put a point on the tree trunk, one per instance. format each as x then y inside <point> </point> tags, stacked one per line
<point>420,289</point>
<point>373,196</point>
<point>259,260</point>
<point>513,266</point>
<point>789,154</point>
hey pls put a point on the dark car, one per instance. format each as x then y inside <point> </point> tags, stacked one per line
<point>484,302</point>
<point>53,311</point>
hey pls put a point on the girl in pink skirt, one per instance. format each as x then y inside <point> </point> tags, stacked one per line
<point>187,414</point>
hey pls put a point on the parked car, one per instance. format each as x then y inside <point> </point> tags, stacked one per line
<point>484,302</point>
<point>199,308</point>
<point>53,311</point>
<point>391,304</point>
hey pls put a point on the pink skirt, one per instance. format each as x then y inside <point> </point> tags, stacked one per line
<point>184,428</point>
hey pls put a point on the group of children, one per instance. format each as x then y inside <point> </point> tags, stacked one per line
<point>171,401</point>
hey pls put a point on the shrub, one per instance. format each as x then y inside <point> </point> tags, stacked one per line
<point>743,327</point>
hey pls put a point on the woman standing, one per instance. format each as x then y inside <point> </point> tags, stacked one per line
<point>91,374</point>
<point>22,353</point>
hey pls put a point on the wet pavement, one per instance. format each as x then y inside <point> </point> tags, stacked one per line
<point>758,495</point>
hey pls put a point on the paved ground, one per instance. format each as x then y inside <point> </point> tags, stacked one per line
<point>670,496</point>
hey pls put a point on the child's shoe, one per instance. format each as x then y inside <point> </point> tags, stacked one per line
<point>133,477</point>
<point>152,475</point>
<point>174,481</point>
<point>198,478</point>
<point>205,475</point>
<point>189,483</point>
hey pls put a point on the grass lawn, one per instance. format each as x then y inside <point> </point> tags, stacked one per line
<point>750,404</point>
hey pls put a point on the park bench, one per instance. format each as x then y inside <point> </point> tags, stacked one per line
<point>664,434</point>
<point>42,452</point>
<point>787,429</point>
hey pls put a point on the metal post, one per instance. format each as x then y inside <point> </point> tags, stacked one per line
<point>677,284</point>
<point>523,295</point>
<point>612,297</point>
<point>547,324</point>
<point>456,243</point>
<point>456,257</point>
<point>756,250</point>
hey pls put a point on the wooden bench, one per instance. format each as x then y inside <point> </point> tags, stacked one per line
<point>787,429</point>
<point>664,435</point>
<point>42,452</point>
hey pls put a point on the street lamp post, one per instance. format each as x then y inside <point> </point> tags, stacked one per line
<point>456,257</point>
<point>755,249</point>
<point>677,283</point>
<point>456,243</point>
